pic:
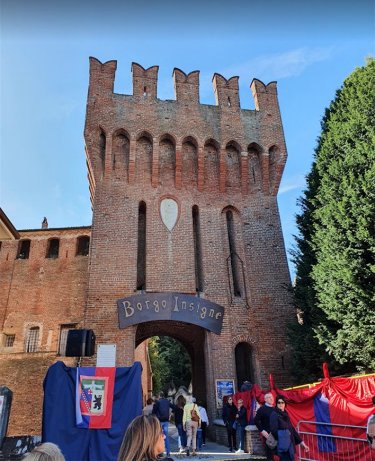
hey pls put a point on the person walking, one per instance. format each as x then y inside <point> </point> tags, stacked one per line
<point>204,422</point>
<point>147,409</point>
<point>262,422</point>
<point>161,411</point>
<point>191,421</point>
<point>284,432</point>
<point>178,410</point>
<point>229,417</point>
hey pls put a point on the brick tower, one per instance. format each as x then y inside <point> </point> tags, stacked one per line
<point>184,202</point>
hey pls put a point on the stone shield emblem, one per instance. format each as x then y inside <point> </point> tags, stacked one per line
<point>169,213</point>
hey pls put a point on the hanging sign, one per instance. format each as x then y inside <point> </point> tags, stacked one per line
<point>149,307</point>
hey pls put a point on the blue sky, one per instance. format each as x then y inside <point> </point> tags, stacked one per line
<point>308,47</point>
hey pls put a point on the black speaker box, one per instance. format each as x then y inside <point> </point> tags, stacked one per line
<point>80,343</point>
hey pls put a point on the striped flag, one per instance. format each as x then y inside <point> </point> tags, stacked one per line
<point>94,397</point>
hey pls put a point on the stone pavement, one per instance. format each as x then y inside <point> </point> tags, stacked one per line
<point>211,451</point>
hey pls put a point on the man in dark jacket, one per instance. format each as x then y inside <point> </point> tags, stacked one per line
<point>262,422</point>
<point>161,410</point>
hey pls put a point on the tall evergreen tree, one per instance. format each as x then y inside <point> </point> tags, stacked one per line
<point>344,231</point>
<point>344,163</point>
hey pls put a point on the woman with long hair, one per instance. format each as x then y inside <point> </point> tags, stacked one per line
<point>284,432</point>
<point>178,410</point>
<point>143,440</point>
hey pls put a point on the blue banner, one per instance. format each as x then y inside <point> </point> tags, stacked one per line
<point>59,414</point>
<point>326,442</point>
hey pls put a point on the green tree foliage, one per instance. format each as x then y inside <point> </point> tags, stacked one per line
<point>170,363</point>
<point>344,227</point>
<point>335,249</point>
<point>308,354</point>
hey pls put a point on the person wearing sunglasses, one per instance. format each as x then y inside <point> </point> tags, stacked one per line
<point>282,429</point>
<point>143,440</point>
<point>229,414</point>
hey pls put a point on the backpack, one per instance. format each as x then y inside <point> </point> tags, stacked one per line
<point>194,415</point>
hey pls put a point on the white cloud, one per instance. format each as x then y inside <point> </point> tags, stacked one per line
<point>291,183</point>
<point>274,66</point>
<point>289,64</point>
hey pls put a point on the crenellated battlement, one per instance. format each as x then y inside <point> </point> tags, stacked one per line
<point>145,81</point>
<point>140,140</point>
<point>226,91</point>
<point>186,86</point>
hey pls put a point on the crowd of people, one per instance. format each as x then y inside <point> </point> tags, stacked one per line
<point>146,438</point>
<point>277,432</point>
<point>190,419</point>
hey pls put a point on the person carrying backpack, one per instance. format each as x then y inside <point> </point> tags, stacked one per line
<point>161,411</point>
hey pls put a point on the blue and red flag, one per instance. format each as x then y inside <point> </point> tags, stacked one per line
<point>94,397</point>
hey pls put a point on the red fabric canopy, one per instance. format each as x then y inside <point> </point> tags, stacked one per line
<point>343,401</point>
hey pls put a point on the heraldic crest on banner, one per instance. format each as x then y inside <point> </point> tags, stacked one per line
<point>93,395</point>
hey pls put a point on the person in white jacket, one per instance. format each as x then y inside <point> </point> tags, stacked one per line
<point>204,422</point>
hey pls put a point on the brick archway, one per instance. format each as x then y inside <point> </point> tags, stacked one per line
<point>193,339</point>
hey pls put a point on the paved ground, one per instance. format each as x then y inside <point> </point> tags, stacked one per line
<point>211,451</point>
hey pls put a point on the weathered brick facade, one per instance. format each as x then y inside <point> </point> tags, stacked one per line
<point>222,166</point>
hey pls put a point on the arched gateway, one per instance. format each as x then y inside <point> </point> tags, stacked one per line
<point>185,241</point>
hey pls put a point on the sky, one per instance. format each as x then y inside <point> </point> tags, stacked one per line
<point>308,47</point>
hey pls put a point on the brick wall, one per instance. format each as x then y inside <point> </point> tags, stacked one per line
<point>37,292</point>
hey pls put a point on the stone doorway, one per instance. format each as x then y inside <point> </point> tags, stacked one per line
<point>191,337</point>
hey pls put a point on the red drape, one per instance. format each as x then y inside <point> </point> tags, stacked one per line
<point>349,403</point>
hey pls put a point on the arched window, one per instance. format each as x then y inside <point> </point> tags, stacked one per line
<point>143,158</point>
<point>273,156</point>
<point>197,250</point>
<point>83,245</point>
<point>189,167</point>
<point>167,161</point>
<point>244,363</point>
<point>120,153</point>
<point>233,166</point>
<point>23,249</point>
<point>234,259</point>
<point>53,248</point>
<point>102,147</point>
<point>254,168</point>
<point>32,340</point>
<point>141,253</point>
<point>211,165</point>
